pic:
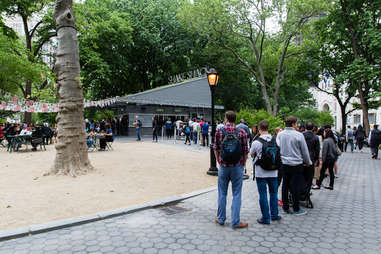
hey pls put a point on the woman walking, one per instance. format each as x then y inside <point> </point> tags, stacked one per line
<point>360,136</point>
<point>329,156</point>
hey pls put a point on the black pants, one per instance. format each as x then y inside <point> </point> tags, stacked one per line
<point>374,151</point>
<point>168,133</point>
<point>280,176</point>
<point>187,138</point>
<point>309,176</point>
<point>205,138</point>
<point>326,165</point>
<point>292,177</point>
<point>102,143</point>
<point>154,135</point>
<point>360,144</point>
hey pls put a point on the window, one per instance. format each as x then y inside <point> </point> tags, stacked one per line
<point>356,119</point>
<point>372,118</point>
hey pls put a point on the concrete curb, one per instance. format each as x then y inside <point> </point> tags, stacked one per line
<point>59,224</point>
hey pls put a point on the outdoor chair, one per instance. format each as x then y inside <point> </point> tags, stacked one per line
<point>109,142</point>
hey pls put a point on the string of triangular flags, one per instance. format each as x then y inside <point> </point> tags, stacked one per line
<point>16,104</point>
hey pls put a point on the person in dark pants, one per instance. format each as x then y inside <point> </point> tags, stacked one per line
<point>374,141</point>
<point>294,152</point>
<point>329,157</point>
<point>313,145</point>
<point>154,129</point>
<point>205,133</point>
<point>360,136</point>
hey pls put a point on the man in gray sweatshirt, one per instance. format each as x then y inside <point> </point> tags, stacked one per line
<point>294,154</point>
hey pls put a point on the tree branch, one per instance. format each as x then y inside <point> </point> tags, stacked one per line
<point>37,50</point>
<point>35,28</point>
<point>322,90</point>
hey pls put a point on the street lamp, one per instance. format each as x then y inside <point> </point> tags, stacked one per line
<point>213,78</point>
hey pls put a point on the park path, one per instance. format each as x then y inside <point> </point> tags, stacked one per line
<point>346,220</point>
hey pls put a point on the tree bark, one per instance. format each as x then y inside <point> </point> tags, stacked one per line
<point>71,149</point>
<point>28,85</point>
<point>364,108</point>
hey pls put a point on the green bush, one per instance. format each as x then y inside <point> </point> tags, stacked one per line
<point>253,117</point>
<point>319,118</point>
<point>97,115</point>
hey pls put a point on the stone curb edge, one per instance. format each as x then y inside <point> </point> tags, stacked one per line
<point>64,223</point>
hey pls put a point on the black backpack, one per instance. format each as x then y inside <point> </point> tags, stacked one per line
<point>231,151</point>
<point>270,159</point>
<point>376,137</point>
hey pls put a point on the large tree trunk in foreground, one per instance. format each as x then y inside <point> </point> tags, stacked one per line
<point>71,148</point>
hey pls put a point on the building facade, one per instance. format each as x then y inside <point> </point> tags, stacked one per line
<point>329,103</point>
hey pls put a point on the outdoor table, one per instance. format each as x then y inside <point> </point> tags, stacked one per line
<point>14,141</point>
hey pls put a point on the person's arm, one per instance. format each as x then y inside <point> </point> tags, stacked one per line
<point>304,150</point>
<point>324,151</point>
<point>217,145</point>
<point>252,150</point>
<point>317,148</point>
<point>369,138</point>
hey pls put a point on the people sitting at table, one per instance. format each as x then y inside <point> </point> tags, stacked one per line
<point>109,134</point>
<point>105,136</point>
<point>36,138</point>
<point>89,138</point>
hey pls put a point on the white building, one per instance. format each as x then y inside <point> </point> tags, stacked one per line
<point>329,103</point>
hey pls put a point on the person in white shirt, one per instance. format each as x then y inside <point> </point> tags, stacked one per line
<point>194,130</point>
<point>265,178</point>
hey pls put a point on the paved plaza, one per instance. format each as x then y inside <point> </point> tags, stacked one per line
<point>346,220</point>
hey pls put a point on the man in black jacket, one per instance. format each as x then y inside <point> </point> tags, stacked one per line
<point>313,145</point>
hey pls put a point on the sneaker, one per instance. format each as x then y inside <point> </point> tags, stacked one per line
<point>218,222</point>
<point>300,212</point>
<point>280,203</point>
<point>276,218</point>
<point>287,211</point>
<point>262,221</point>
<point>316,187</point>
<point>328,187</point>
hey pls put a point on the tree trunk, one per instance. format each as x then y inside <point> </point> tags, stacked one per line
<point>344,117</point>
<point>71,149</point>
<point>364,108</point>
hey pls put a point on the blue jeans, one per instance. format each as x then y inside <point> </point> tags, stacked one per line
<point>226,175</point>
<point>195,137</point>
<point>262,183</point>
<point>350,141</point>
<point>138,133</point>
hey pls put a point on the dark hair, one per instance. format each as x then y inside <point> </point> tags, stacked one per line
<point>290,121</point>
<point>230,115</point>
<point>329,134</point>
<point>320,132</point>
<point>263,125</point>
<point>309,126</point>
<point>328,126</point>
<point>375,126</point>
<point>107,126</point>
<point>349,126</point>
<point>360,128</point>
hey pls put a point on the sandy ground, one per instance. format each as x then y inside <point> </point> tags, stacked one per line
<point>133,173</point>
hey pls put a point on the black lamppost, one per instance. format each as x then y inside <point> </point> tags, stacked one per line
<point>213,81</point>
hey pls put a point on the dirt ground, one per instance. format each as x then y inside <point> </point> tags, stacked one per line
<point>131,174</point>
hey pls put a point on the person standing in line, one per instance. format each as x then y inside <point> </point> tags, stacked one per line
<point>187,130</point>
<point>138,126</point>
<point>265,178</point>
<point>205,133</point>
<point>168,128</point>
<point>194,130</point>
<point>349,138</point>
<point>294,152</point>
<point>230,149</point>
<point>154,129</point>
<point>329,157</point>
<point>313,145</point>
<point>277,130</point>
<point>360,136</point>
<point>374,141</point>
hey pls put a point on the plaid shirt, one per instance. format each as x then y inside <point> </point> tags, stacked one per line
<point>220,137</point>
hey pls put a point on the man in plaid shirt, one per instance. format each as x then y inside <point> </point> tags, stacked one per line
<point>230,172</point>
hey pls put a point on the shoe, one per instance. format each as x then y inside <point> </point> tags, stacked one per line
<point>242,225</point>
<point>280,203</point>
<point>262,221</point>
<point>300,212</point>
<point>328,187</point>
<point>218,222</point>
<point>316,187</point>
<point>287,211</point>
<point>276,218</point>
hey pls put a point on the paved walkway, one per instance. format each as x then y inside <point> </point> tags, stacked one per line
<point>346,220</point>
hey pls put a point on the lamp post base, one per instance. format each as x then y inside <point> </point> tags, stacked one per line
<point>213,171</point>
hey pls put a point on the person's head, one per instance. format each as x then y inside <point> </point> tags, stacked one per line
<point>291,121</point>
<point>360,127</point>
<point>137,117</point>
<point>277,130</point>
<point>108,126</point>
<point>242,121</point>
<point>375,127</point>
<point>354,128</point>
<point>348,126</point>
<point>309,126</point>
<point>230,116</point>
<point>328,126</point>
<point>263,127</point>
<point>328,133</point>
<point>302,128</point>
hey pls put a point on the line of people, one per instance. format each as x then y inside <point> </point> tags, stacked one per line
<point>290,157</point>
